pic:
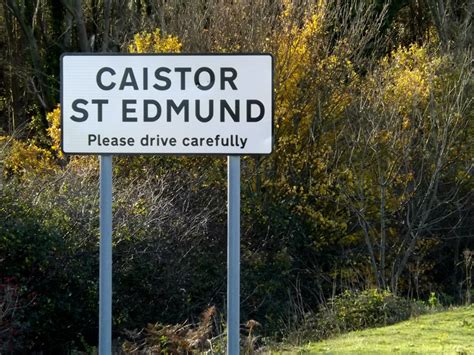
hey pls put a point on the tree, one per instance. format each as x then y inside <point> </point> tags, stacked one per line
<point>406,148</point>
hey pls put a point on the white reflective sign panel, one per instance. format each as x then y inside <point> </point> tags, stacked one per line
<point>170,104</point>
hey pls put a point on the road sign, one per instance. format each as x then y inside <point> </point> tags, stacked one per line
<point>166,104</point>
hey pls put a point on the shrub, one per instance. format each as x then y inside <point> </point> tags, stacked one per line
<point>355,310</point>
<point>48,242</point>
<point>11,310</point>
<point>366,309</point>
<point>25,160</point>
<point>52,291</point>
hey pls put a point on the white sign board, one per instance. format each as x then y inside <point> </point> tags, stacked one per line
<point>167,104</point>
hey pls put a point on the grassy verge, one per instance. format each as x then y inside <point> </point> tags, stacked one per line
<point>449,332</point>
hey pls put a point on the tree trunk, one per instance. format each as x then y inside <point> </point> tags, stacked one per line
<point>43,91</point>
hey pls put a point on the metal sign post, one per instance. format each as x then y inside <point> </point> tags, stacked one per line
<point>167,104</point>
<point>233,255</point>
<point>105,264</point>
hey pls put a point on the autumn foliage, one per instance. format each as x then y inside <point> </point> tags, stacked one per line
<point>369,186</point>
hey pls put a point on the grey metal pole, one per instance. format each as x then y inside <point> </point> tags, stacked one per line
<point>233,255</point>
<point>105,265</point>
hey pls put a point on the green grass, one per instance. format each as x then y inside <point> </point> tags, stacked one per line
<point>449,332</point>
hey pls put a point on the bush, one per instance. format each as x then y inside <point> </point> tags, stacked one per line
<point>51,298</point>
<point>11,310</point>
<point>366,309</point>
<point>169,258</point>
<point>356,310</point>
